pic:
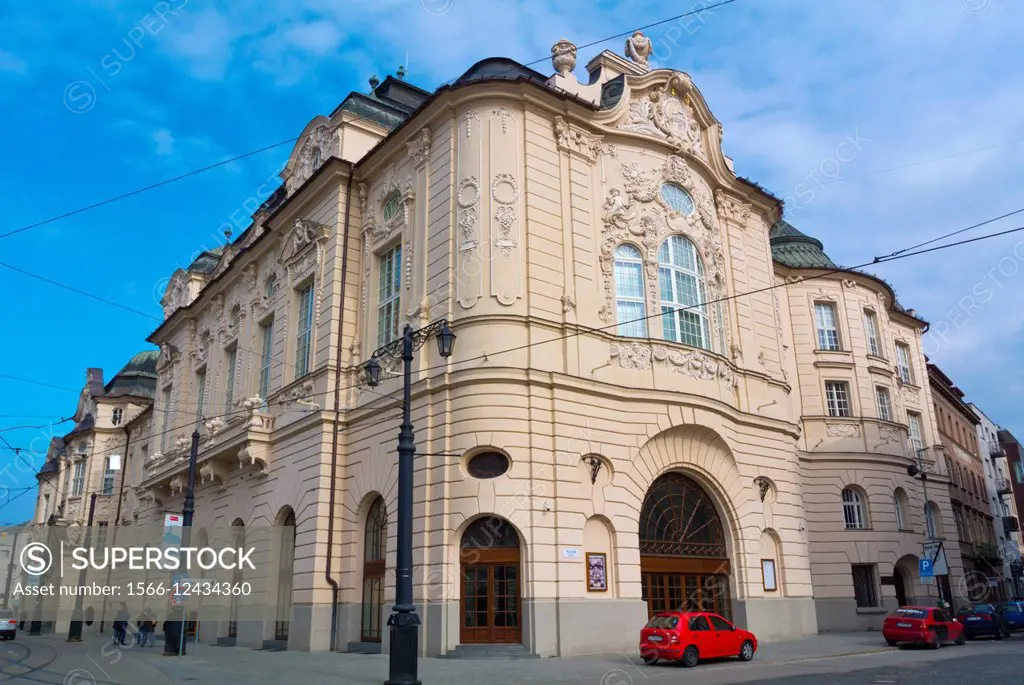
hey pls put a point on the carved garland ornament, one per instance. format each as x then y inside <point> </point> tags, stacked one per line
<point>700,365</point>
<point>842,430</point>
<point>505,193</point>
<point>623,219</point>
<point>577,140</point>
<point>468,200</point>
<point>667,112</point>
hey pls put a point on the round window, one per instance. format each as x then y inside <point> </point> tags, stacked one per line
<point>488,465</point>
<point>677,199</point>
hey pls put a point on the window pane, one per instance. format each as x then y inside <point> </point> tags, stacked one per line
<point>630,305</point>
<point>388,295</point>
<point>265,356</point>
<point>681,286</point>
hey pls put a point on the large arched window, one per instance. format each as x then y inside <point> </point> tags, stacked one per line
<point>374,553</point>
<point>683,293</point>
<point>853,509</point>
<point>286,568</point>
<point>630,302</point>
<point>679,519</point>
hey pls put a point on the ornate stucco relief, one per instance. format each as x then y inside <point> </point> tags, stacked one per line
<point>576,140</point>
<point>320,144</point>
<point>642,217</point>
<point>700,365</point>
<point>842,430</point>
<point>467,199</point>
<point>504,207</point>
<point>419,147</point>
<point>667,112</point>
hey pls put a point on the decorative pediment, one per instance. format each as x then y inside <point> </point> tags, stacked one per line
<point>316,147</point>
<point>667,112</point>
<point>178,293</point>
<point>304,235</point>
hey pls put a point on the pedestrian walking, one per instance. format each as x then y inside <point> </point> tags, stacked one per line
<point>121,625</point>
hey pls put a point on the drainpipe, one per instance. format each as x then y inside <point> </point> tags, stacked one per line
<point>337,415</point>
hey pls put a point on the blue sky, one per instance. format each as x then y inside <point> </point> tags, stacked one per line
<point>106,96</point>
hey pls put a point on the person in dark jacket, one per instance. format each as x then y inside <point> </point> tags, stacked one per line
<point>121,625</point>
<point>147,628</point>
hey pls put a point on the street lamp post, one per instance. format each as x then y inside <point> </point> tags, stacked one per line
<point>919,470</point>
<point>174,631</point>
<point>404,622</point>
<point>75,626</point>
<point>35,627</point>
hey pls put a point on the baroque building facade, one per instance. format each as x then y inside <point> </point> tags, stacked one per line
<point>662,394</point>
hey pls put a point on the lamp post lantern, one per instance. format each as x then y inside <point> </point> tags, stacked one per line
<point>404,623</point>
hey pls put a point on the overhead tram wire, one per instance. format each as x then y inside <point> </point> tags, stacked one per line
<point>580,330</point>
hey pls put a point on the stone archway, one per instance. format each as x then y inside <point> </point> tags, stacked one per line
<point>684,560</point>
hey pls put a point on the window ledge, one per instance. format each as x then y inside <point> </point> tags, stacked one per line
<point>837,353</point>
<point>878,359</point>
<point>871,610</point>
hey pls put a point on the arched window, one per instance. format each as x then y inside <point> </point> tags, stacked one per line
<point>286,580</point>
<point>931,520</point>
<point>899,499</point>
<point>683,293</point>
<point>853,509</point>
<point>677,199</point>
<point>392,204</point>
<point>630,302</point>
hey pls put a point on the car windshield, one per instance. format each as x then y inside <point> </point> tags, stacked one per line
<point>663,622</point>
<point>983,609</point>
<point>910,613</point>
<point>1008,606</point>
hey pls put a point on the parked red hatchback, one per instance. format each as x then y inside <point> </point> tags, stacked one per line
<point>690,637</point>
<point>922,626</point>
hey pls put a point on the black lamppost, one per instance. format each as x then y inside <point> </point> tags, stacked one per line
<point>404,622</point>
<point>75,627</point>
<point>35,627</point>
<point>174,630</point>
<point>917,470</point>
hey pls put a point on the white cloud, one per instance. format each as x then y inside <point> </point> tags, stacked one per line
<point>164,140</point>
<point>204,40</point>
<point>12,63</point>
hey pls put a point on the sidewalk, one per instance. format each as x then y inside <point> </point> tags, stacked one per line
<point>232,664</point>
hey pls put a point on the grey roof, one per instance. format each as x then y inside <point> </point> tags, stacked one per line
<point>137,378</point>
<point>797,250</point>
<point>499,67</point>
<point>207,261</point>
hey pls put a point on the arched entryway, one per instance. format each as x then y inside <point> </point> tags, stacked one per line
<point>374,552</point>
<point>900,582</point>
<point>491,606</point>
<point>238,533</point>
<point>684,561</point>
<point>286,520</point>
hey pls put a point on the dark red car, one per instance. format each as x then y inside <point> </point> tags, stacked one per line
<point>922,626</point>
<point>690,637</point>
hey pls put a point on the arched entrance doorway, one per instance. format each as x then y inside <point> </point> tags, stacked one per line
<point>900,582</point>
<point>238,530</point>
<point>683,558</point>
<point>374,552</point>
<point>285,575</point>
<point>491,604</point>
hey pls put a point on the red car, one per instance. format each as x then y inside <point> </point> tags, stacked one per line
<point>691,636</point>
<point>922,626</point>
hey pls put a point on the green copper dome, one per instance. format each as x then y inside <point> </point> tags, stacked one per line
<point>797,250</point>
<point>137,378</point>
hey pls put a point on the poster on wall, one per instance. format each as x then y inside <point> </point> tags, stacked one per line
<point>768,571</point>
<point>597,572</point>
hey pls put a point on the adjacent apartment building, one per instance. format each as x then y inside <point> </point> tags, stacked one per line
<point>1004,509</point>
<point>615,399</point>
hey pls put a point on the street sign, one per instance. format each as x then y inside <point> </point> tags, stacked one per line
<point>925,568</point>
<point>933,550</point>
<point>179,596</point>
<point>172,530</point>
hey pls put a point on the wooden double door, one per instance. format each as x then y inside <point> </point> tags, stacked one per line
<point>686,585</point>
<point>491,597</point>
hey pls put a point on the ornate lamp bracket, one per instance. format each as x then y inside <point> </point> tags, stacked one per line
<point>595,467</point>
<point>763,486</point>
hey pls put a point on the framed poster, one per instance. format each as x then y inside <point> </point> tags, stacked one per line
<point>768,572</point>
<point>597,572</point>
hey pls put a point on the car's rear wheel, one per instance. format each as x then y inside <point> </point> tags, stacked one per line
<point>961,640</point>
<point>690,656</point>
<point>935,641</point>
<point>649,658</point>
<point>747,651</point>
<point>891,643</point>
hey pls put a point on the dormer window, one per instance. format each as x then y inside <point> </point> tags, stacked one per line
<point>271,287</point>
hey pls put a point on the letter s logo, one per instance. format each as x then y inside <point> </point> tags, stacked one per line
<point>36,558</point>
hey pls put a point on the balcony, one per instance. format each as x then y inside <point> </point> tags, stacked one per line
<point>1011,524</point>
<point>987,551</point>
<point>995,450</point>
<point>1004,486</point>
